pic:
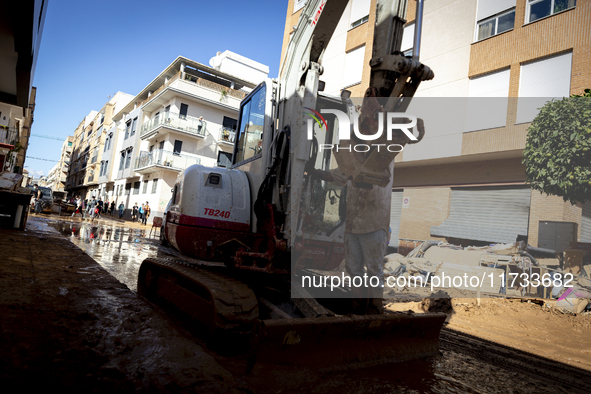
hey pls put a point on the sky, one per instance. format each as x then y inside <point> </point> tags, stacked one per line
<point>92,49</point>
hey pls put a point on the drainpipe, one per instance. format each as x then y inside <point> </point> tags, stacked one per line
<point>416,50</point>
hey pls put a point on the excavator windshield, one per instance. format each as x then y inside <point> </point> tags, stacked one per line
<point>250,126</point>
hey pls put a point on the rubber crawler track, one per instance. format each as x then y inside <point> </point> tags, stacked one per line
<point>235,304</point>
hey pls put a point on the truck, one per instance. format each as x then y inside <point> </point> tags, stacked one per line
<point>245,232</point>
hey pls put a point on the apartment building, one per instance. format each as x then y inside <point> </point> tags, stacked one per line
<point>466,183</point>
<point>187,115</point>
<point>58,175</point>
<point>90,137</point>
<point>22,27</point>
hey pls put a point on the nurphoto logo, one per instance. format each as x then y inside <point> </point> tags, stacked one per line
<point>392,120</point>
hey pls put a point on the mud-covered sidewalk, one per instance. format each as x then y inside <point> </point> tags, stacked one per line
<point>67,324</point>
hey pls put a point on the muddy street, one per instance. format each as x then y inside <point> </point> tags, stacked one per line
<point>71,322</point>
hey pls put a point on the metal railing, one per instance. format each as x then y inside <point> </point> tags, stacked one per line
<point>227,134</point>
<point>165,158</point>
<point>8,135</point>
<point>188,124</point>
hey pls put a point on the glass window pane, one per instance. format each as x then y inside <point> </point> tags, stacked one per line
<point>539,10</point>
<point>486,29</point>
<point>506,22</point>
<point>250,139</point>
<point>561,5</point>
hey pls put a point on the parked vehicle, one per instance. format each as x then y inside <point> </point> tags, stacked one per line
<point>46,199</point>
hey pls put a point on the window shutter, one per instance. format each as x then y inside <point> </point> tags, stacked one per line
<point>488,8</point>
<point>408,38</point>
<point>543,79</point>
<point>353,66</point>
<point>359,9</point>
<point>488,102</point>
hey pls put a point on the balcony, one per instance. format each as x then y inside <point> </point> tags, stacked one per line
<point>8,135</point>
<point>160,159</point>
<point>171,121</point>
<point>227,135</point>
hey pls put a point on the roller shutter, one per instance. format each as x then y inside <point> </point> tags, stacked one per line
<point>586,222</point>
<point>395,212</point>
<point>486,214</point>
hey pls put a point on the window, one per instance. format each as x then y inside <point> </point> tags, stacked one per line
<point>353,67</point>
<point>154,185</point>
<point>489,98</point>
<point>538,9</point>
<point>127,189</point>
<point>536,88</point>
<point>133,126</point>
<point>136,188</point>
<point>177,147</point>
<point>250,133</point>
<point>161,146</point>
<point>102,168</point>
<point>184,110</point>
<point>127,129</point>
<point>69,144</point>
<point>122,162</point>
<point>106,167</point>
<point>229,123</point>
<point>128,159</point>
<point>298,5</point>
<point>408,38</point>
<point>496,25</point>
<point>145,188</point>
<point>359,12</point>
<point>224,159</point>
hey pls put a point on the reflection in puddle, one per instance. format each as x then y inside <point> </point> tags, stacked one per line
<point>120,250</point>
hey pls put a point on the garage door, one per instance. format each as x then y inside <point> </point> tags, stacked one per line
<point>486,214</point>
<point>395,212</point>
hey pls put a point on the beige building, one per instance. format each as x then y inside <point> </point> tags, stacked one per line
<point>58,175</point>
<point>467,184</point>
<point>88,147</point>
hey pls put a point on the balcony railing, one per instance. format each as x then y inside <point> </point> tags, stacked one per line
<point>161,157</point>
<point>227,134</point>
<point>188,124</point>
<point>8,135</point>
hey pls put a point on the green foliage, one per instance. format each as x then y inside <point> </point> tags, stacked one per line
<point>557,154</point>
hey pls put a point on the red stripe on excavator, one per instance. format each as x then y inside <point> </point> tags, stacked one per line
<point>186,220</point>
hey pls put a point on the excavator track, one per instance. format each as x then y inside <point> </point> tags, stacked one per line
<point>212,300</point>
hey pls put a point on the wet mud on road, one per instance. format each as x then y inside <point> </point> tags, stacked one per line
<point>70,323</point>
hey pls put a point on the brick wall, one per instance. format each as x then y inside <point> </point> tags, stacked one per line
<point>558,33</point>
<point>509,170</point>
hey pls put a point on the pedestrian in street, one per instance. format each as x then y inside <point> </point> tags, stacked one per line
<point>112,209</point>
<point>78,207</point>
<point>100,203</point>
<point>146,213</point>
<point>106,207</point>
<point>141,212</point>
<point>38,197</point>
<point>134,213</point>
<point>121,209</point>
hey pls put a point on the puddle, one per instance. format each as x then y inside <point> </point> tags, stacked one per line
<point>120,250</point>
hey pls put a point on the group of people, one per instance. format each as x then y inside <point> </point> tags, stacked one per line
<point>142,213</point>
<point>94,208</point>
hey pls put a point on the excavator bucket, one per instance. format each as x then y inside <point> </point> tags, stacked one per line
<point>347,341</point>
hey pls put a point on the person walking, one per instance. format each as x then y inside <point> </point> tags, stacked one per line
<point>141,212</point>
<point>134,213</point>
<point>106,207</point>
<point>78,207</point>
<point>121,209</point>
<point>146,213</point>
<point>112,209</point>
<point>38,197</point>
